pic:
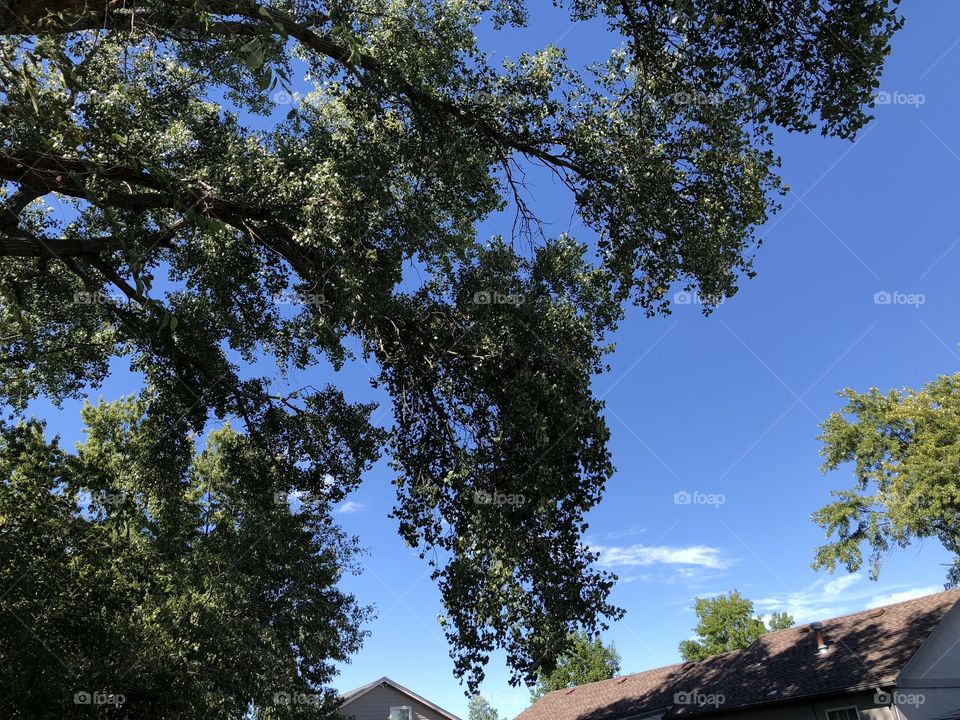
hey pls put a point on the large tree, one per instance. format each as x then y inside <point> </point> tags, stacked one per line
<point>585,660</point>
<point>145,577</point>
<point>905,450</point>
<point>727,622</point>
<point>157,200</point>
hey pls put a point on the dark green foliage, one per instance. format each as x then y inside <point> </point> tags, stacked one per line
<point>188,585</point>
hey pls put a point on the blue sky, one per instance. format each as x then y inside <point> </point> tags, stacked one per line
<point>730,405</point>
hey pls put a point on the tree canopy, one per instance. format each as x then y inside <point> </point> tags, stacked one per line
<point>905,450</point>
<point>159,196</point>
<point>145,576</point>
<point>727,622</point>
<point>586,660</point>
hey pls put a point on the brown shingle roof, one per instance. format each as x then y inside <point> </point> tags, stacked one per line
<point>619,697</point>
<point>866,649</point>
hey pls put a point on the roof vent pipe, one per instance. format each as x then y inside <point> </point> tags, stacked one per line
<point>821,641</point>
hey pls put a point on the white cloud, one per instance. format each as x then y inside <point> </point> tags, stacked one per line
<point>895,597</point>
<point>804,606</point>
<point>825,599</point>
<point>350,507</point>
<point>647,555</point>
<point>835,587</point>
<point>821,599</point>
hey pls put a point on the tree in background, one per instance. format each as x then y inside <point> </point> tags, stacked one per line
<point>727,622</point>
<point>779,621</point>
<point>174,198</point>
<point>154,579</point>
<point>480,709</point>
<point>586,660</point>
<point>905,450</point>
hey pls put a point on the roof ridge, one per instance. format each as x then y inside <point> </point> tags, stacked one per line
<point>737,655</point>
<point>951,591</point>
<point>365,686</point>
<point>385,680</point>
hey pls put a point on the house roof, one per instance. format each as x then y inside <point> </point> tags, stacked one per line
<point>865,650</point>
<point>359,692</point>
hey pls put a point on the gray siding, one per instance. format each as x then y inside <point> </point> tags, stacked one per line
<point>865,703</point>
<point>929,685</point>
<point>376,704</point>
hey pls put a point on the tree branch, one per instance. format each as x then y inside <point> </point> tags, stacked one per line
<point>33,18</point>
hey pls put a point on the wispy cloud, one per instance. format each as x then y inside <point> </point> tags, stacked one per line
<point>350,507</point>
<point>647,555</point>
<point>825,598</point>
<point>821,599</point>
<point>895,597</point>
<point>835,587</point>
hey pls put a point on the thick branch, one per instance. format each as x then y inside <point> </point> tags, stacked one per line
<point>55,173</point>
<point>23,245</point>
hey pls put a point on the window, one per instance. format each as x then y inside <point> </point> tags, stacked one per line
<point>403,713</point>
<point>844,713</point>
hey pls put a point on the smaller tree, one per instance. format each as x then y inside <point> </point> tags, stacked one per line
<point>727,622</point>
<point>903,445</point>
<point>780,621</point>
<point>480,709</point>
<point>174,578</point>
<point>586,660</point>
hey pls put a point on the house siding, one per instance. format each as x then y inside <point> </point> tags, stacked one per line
<point>376,704</point>
<point>817,709</point>
<point>928,687</point>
